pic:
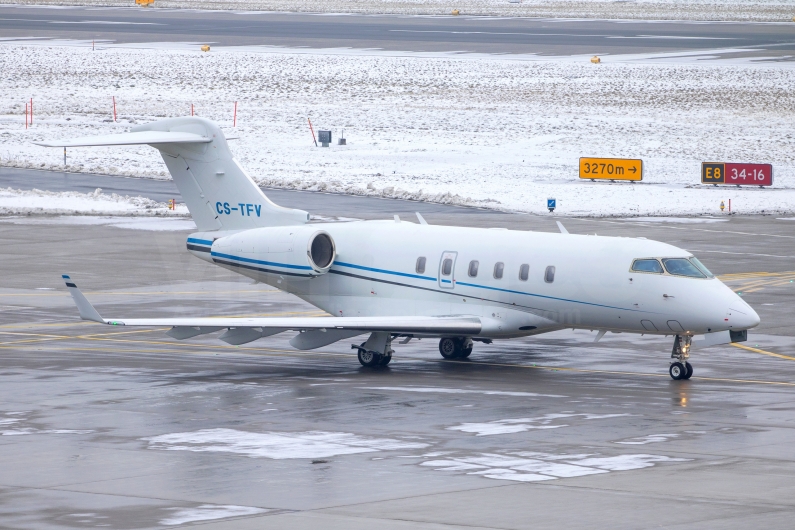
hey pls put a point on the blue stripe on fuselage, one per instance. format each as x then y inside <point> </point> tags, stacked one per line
<point>261,262</point>
<point>395,273</point>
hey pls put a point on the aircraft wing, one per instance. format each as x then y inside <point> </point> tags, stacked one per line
<point>453,325</point>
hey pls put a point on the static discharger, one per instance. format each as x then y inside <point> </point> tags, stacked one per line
<point>611,169</point>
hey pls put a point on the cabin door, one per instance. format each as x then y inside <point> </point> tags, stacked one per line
<point>447,270</point>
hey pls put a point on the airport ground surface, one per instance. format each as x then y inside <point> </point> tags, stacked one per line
<point>398,33</point>
<point>130,429</point>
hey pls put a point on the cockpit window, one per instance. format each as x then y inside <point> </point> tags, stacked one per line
<point>682,267</point>
<point>647,265</point>
<point>701,267</point>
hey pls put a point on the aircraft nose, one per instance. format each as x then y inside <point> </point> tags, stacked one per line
<point>741,315</point>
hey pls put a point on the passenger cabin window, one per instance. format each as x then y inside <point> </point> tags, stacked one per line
<point>499,268</point>
<point>473,268</point>
<point>682,267</point>
<point>549,274</point>
<point>647,265</point>
<point>421,265</point>
<point>447,267</point>
<point>701,267</point>
<point>524,272</point>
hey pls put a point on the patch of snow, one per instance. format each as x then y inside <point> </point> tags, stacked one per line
<point>133,223</point>
<point>650,439</point>
<point>277,445</point>
<point>532,467</point>
<point>511,426</point>
<point>37,202</point>
<point>209,512</point>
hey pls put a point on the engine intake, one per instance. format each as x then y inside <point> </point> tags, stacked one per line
<point>321,251</point>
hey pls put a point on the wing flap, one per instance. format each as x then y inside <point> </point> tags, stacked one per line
<point>454,325</point>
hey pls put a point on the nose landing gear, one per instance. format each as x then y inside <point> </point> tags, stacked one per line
<point>680,368</point>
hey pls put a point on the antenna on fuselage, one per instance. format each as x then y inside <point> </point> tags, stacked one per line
<point>421,219</point>
<point>562,228</point>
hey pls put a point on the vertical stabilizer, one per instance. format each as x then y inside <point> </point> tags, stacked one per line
<point>218,192</point>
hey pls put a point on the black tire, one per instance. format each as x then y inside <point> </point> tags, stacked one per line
<point>385,360</point>
<point>688,371</point>
<point>677,371</point>
<point>369,358</point>
<point>466,352</point>
<point>449,348</point>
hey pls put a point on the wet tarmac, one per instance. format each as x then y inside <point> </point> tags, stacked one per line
<point>107,427</point>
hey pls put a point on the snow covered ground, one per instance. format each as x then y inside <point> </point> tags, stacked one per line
<point>492,131</point>
<point>36,202</point>
<point>759,10</point>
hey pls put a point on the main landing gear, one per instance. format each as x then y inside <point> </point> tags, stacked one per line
<point>455,347</point>
<point>680,368</point>
<point>376,351</point>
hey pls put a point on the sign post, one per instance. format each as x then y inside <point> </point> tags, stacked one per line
<point>611,168</point>
<point>736,174</point>
<point>551,203</point>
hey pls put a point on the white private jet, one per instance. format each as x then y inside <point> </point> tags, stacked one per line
<point>397,279</point>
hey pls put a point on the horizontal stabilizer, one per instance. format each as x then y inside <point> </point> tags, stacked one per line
<point>131,138</point>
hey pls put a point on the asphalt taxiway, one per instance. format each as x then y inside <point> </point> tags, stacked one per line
<point>107,427</point>
<point>399,33</point>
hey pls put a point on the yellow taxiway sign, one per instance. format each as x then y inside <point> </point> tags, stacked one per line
<point>611,168</point>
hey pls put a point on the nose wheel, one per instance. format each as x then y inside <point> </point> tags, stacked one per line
<point>680,368</point>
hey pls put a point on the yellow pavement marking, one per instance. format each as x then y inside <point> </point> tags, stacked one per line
<point>763,352</point>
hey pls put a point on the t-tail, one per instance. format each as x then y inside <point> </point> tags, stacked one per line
<point>216,189</point>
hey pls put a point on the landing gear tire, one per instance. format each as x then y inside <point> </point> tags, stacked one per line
<point>385,359</point>
<point>369,358</point>
<point>448,347</point>
<point>689,371</point>
<point>680,368</point>
<point>677,371</point>
<point>455,348</point>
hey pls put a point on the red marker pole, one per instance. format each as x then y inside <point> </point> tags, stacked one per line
<point>114,109</point>
<point>234,117</point>
<point>31,111</point>
<point>312,131</point>
<point>26,115</point>
<point>191,109</point>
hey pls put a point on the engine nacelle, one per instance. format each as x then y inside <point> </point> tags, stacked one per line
<point>286,250</point>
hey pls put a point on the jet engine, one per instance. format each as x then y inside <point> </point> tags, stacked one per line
<point>284,250</point>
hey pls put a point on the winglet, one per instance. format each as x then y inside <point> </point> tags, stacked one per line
<point>87,311</point>
<point>562,228</point>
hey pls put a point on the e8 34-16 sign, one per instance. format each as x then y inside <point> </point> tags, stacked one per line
<point>611,168</point>
<point>736,174</point>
